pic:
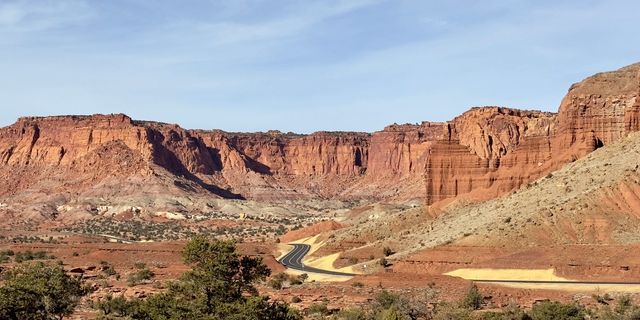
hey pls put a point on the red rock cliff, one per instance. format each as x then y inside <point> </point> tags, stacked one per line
<point>484,152</point>
<point>598,110</point>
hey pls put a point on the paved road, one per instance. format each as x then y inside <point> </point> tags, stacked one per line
<point>293,260</point>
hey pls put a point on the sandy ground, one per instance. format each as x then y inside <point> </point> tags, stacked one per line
<point>610,288</point>
<point>537,275</point>
<point>506,274</point>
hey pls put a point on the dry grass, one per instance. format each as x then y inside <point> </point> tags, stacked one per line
<point>565,207</point>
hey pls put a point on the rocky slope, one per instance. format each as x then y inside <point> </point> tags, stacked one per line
<point>582,219</point>
<point>483,153</point>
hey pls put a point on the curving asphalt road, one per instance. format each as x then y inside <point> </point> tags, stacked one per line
<point>293,260</point>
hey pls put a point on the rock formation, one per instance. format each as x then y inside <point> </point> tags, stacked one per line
<point>482,153</point>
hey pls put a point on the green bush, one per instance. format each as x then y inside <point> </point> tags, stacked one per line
<point>139,276</point>
<point>219,286</point>
<point>118,306</point>
<point>275,283</point>
<point>548,310</point>
<point>29,255</point>
<point>278,281</point>
<point>602,299</point>
<point>510,313</point>
<point>38,291</point>
<point>110,271</point>
<point>386,299</point>
<point>624,303</point>
<point>391,314</point>
<point>303,277</point>
<point>318,309</point>
<point>352,314</point>
<point>451,311</point>
<point>473,299</point>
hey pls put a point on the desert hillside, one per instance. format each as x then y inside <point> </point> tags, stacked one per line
<point>594,200</point>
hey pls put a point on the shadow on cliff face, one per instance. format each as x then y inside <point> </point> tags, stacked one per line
<point>227,194</point>
<point>216,157</point>
<point>167,159</point>
<point>250,163</point>
<point>257,166</point>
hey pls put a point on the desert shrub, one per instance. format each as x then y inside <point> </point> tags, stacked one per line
<point>275,283</point>
<point>219,286</point>
<point>353,260</point>
<point>548,310</point>
<point>296,299</point>
<point>298,280</point>
<point>4,258</point>
<point>352,314</point>
<point>279,280</point>
<point>318,309</point>
<point>387,251</point>
<point>451,311</point>
<point>632,314</point>
<point>391,314</point>
<point>109,271</point>
<point>389,305</point>
<point>357,284</point>
<point>383,262</point>
<point>602,299</point>
<point>30,255</point>
<point>624,303</point>
<point>509,313</point>
<point>473,298</point>
<point>302,278</point>
<point>38,291</point>
<point>118,306</point>
<point>140,265</point>
<point>281,276</point>
<point>386,299</point>
<point>139,276</point>
<point>606,314</point>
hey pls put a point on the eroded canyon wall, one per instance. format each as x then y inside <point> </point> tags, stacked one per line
<point>482,153</point>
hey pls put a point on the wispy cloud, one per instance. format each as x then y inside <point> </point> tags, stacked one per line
<point>295,65</point>
<point>38,15</point>
<point>292,22</point>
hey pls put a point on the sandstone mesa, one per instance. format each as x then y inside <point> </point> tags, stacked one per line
<point>483,153</point>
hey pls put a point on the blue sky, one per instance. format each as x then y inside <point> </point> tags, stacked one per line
<point>303,66</point>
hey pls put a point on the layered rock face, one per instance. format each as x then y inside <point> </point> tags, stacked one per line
<point>490,150</point>
<point>321,153</point>
<point>599,110</point>
<point>64,140</point>
<point>482,153</point>
<point>498,150</point>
